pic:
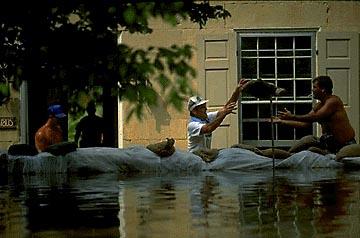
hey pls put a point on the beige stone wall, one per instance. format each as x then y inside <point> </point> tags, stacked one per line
<point>10,109</point>
<point>329,15</point>
<point>165,121</point>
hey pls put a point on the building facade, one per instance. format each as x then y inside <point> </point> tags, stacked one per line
<point>287,43</point>
<point>284,42</point>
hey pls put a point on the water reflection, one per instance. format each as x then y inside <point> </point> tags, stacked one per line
<point>321,203</point>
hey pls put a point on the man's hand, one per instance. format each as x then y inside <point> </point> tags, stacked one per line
<point>286,115</point>
<point>230,107</point>
<point>274,120</point>
<point>227,109</point>
<point>242,84</point>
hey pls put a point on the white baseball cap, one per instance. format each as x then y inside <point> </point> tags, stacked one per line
<point>195,101</point>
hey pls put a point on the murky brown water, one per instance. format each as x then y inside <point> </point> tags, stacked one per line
<point>319,203</point>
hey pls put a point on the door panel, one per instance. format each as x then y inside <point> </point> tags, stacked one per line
<point>339,59</point>
<point>217,80</point>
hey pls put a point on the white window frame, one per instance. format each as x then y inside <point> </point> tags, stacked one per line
<point>276,100</point>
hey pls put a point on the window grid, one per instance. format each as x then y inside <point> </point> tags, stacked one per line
<point>280,52</point>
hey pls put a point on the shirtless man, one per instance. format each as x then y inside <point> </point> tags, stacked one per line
<point>329,112</point>
<point>51,132</point>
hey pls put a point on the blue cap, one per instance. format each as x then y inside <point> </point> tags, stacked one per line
<point>56,111</point>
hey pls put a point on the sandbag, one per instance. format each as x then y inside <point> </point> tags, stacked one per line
<point>278,153</point>
<point>318,150</point>
<point>348,151</point>
<point>163,148</point>
<point>61,148</point>
<point>22,149</point>
<point>262,89</point>
<point>304,143</point>
<point>248,147</point>
<point>207,155</point>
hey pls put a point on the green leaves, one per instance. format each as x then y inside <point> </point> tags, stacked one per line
<point>74,43</point>
<point>155,72</point>
<point>202,12</point>
<point>130,15</point>
<point>4,92</point>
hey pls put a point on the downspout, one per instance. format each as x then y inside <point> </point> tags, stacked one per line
<point>24,116</point>
<point>120,113</point>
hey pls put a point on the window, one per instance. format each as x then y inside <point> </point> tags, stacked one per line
<point>286,60</point>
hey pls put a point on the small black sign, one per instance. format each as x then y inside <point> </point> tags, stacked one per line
<point>7,122</point>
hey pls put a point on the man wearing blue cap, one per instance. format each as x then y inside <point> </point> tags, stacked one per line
<point>202,124</point>
<point>51,132</point>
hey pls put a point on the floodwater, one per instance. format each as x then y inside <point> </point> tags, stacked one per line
<point>285,203</point>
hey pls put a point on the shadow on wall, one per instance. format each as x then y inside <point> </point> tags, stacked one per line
<point>160,113</point>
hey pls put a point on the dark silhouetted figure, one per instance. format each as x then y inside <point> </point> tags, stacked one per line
<point>90,128</point>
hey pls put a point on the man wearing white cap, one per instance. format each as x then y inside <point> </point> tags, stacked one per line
<point>202,124</point>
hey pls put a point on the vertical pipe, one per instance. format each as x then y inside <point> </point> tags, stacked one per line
<point>24,123</point>
<point>120,113</point>
<point>272,133</point>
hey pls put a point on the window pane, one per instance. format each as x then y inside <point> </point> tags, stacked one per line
<point>249,53</point>
<point>285,132</point>
<point>303,42</point>
<point>267,53</point>
<point>303,53</point>
<point>285,42</point>
<point>249,111</point>
<point>285,68</point>
<point>282,53</point>
<point>267,68</point>
<point>265,131</point>
<point>301,132</point>
<point>303,68</point>
<point>266,43</point>
<point>302,108</point>
<point>288,85</point>
<point>264,110</point>
<point>248,68</point>
<point>303,88</point>
<point>250,131</point>
<point>248,43</point>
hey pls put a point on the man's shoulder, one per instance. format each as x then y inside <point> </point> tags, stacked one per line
<point>335,100</point>
<point>83,121</point>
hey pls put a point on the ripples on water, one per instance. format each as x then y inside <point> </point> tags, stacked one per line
<point>320,203</point>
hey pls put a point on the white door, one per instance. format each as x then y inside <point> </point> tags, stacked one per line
<point>217,80</point>
<point>339,58</point>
